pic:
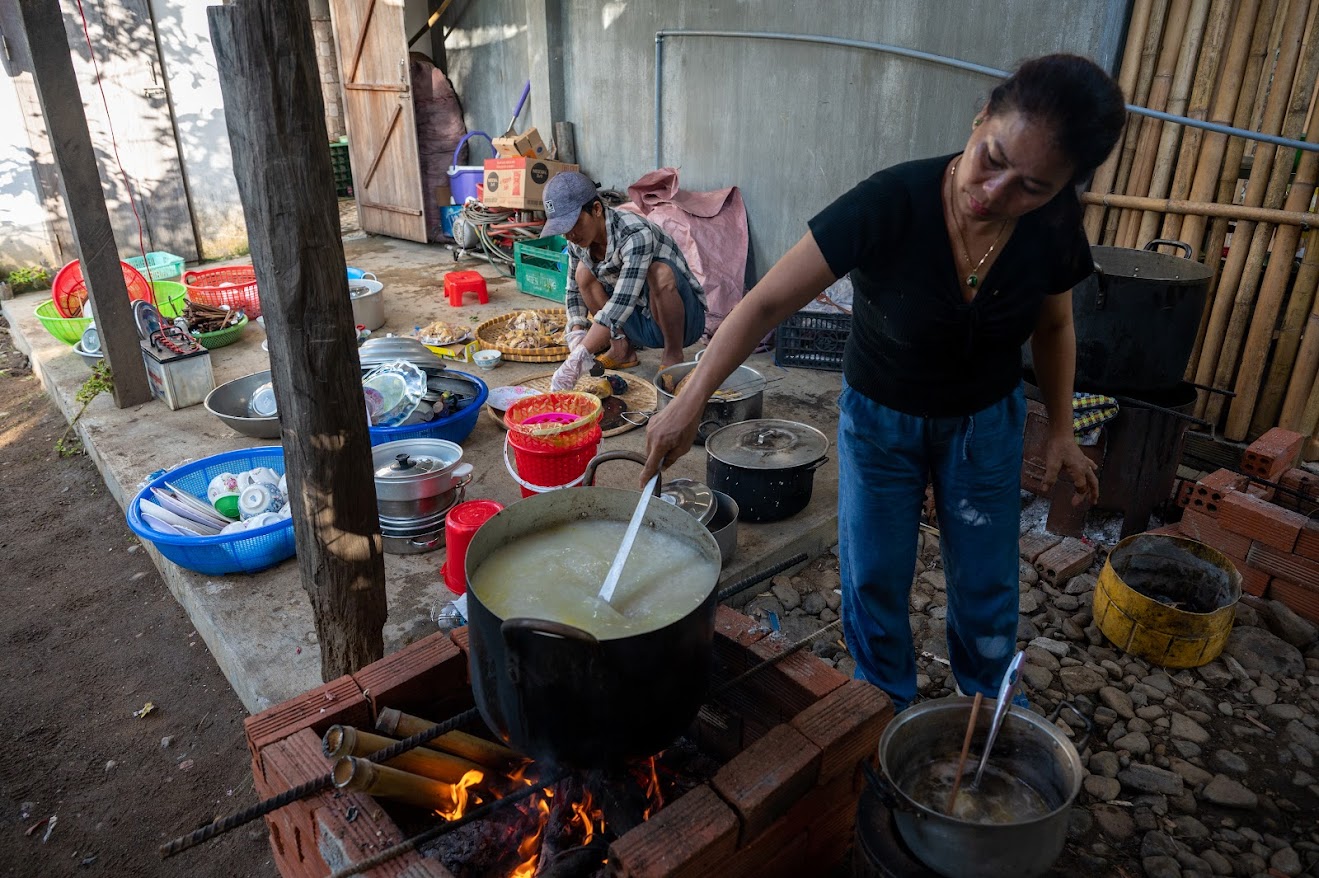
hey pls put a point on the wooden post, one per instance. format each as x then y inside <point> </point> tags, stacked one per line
<point>71,143</point>
<point>267,66</point>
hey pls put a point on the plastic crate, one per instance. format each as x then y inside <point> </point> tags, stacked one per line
<point>542,267</point>
<point>158,265</point>
<point>812,340</point>
<point>343,168</point>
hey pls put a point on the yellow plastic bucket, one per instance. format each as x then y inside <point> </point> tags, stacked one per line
<point>1164,635</point>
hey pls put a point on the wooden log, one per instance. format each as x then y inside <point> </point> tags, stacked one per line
<point>80,181</point>
<point>1206,209</point>
<point>1230,172</point>
<point>1149,53</point>
<point>1202,91</point>
<point>276,119</point>
<point>1106,172</point>
<point>1271,123</point>
<point>1277,163</point>
<point>1271,408</point>
<point>1142,167</point>
<point>1171,135</point>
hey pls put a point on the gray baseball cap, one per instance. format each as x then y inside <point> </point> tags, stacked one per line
<point>565,195</point>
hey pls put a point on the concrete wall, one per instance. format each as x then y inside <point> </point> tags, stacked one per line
<point>184,38</point>
<point>488,58</point>
<point>24,239</point>
<point>794,125</point>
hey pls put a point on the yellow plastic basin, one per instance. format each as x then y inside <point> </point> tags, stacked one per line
<point>1164,635</point>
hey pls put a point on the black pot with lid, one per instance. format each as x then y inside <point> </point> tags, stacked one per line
<point>766,465</point>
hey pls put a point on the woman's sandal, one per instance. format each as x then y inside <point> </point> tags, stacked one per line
<point>610,363</point>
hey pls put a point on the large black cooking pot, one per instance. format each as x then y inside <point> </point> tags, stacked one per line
<point>767,466</point>
<point>555,692</point>
<point>1136,319</point>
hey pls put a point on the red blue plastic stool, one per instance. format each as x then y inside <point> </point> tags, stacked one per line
<point>458,283</point>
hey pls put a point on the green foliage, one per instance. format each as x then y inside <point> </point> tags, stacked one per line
<point>100,381</point>
<point>25,280</point>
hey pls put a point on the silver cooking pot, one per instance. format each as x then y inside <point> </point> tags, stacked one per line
<point>417,479</point>
<point>1029,747</point>
<point>745,400</point>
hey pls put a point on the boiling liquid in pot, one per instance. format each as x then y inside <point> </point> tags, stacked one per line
<point>1001,797</point>
<point>556,574</point>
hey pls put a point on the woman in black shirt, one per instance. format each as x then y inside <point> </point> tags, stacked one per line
<point>955,261</point>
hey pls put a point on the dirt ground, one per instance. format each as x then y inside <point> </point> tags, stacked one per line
<point>89,635</point>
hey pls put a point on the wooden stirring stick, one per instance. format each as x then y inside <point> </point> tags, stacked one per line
<point>966,748</point>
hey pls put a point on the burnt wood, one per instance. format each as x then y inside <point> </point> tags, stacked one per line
<point>276,118</point>
<point>71,144</point>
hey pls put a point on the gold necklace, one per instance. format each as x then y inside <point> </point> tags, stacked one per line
<point>973,279</point>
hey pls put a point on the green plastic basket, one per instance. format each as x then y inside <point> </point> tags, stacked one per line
<point>171,298</point>
<point>67,329</point>
<point>542,267</point>
<point>158,265</point>
<point>226,336</point>
<point>343,168</point>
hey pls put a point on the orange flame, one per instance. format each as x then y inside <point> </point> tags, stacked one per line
<point>529,849</point>
<point>460,796</point>
<point>654,793</point>
<point>587,817</point>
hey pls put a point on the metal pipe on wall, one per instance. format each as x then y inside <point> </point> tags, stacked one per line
<point>917,54</point>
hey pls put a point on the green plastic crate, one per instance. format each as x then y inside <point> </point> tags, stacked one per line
<point>542,267</point>
<point>343,168</point>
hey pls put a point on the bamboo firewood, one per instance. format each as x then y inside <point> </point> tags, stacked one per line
<point>1271,409</point>
<point>1205,209</point>
<point>381,781</point>
<point>487,754</point>
<point>340,741</point>
<point>1305,375</point>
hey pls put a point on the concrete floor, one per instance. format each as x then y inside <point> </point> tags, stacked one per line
<point>259,627</point>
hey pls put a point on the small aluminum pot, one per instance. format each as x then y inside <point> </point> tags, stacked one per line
<point>747,403</point>
<point>416,479</point>
<point>724,526</point>
<point>368,303</point>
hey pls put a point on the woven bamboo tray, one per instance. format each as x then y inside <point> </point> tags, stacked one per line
<point>488,332</point>
<point>641,396</point>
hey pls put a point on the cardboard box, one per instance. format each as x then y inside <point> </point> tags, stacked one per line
<point>527,145</point>
<point>517,183</point>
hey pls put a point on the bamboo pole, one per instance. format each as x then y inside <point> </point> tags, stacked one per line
<point>1305,374</point>
<point>1206,75</point>
<point>1310,423</point>
<point>1295,89</point>
<point>1201,209</point>
<point>1261,47</point>
<point>1171,135</point>
<point>1271,122</point>
<point>1107,172</point>
<point>485,753</point>
<point>1142,166</point>
<point>340,741</point>
<point>381,781</point>
<point>1283,370</point>
<point>1235,69</point>
<point>1149,53</point>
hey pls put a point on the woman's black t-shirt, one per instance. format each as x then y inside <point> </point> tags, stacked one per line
<point>916,346</point>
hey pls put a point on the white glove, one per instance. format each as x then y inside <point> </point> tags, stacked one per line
<point>578,363</point>
<point>575,338</point>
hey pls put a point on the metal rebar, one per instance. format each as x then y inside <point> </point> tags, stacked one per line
<point>758,578</point>
<point>311,787</point>
<point>773,660</point>
<point>435,832</point>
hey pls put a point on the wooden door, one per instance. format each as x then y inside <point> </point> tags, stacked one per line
<point>123,35</point>
<point>382,130</point>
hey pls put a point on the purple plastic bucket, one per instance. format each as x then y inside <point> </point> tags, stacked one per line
<point>463,179</point>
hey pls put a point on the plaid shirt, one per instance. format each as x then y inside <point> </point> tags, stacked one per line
<point>632,242</point>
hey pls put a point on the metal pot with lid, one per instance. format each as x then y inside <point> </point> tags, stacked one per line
<point>767,466</point>
<point>418,479</point>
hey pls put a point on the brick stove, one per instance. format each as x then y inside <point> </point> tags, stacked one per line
<point>783,803</point>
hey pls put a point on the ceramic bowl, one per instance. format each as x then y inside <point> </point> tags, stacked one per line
<point>90,359</point>
<point>488,359</point>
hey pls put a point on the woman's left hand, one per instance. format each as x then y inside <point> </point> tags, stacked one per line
<point>1061,453</point>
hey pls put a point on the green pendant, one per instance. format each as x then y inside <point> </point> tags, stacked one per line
<point>972,280</point>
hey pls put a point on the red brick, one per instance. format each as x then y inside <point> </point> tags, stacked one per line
<point>1272,454</point>
<point>1283,565</point>
<point>1205,528</point>
<point>1210,490</point>
<point>1064,560</point>
<point>1307,544</point>
<point>846,726</point>
<point>338,701</point>
<point>1033,545</point>
<point>1260,490</point>
<point>689,837</point>
<point>797,681</point>
<point>1170,530</point>
<point>1266,522</point>
<point>293,829</point>
<point>461,639</point>
<point>1302,599</point>
<point>1253,580</point>
<point>1183,491</point>
<point>411,677</point>
<point>1299,490</point>
<point>767,778</point>
<point>736,627</point>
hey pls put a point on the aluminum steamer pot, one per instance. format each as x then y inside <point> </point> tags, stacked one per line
<point>417,479</point>
<point>1029,747</point>
<point>556,693</point>
<point>746,404</point>
<point>767,466</point>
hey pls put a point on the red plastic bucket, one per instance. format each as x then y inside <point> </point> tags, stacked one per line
<point>460,525</point>
<point>542,467</point>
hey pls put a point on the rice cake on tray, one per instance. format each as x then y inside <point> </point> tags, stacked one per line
<point>640,397</point>
<point>501,333</point>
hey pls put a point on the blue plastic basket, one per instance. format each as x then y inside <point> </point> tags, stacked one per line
<point>243,552</point>
<point>455,428</point>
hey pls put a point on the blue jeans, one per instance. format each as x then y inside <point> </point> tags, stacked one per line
<point>641,328</point>
<point>886,458</point>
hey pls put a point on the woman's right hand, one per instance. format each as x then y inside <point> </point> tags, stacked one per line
<point>669,436</point>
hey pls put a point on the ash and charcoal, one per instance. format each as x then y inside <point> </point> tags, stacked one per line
<point>1167,573</point>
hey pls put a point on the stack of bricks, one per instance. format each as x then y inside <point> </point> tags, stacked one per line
<point>1263,530</point>
<point>795,736</point>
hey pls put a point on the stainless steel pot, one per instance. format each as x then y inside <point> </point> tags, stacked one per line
<point>368,303</point>
<point>417,479</point>
<point>745,402</point>
<point>1029,747</point>
<point>724,526</point>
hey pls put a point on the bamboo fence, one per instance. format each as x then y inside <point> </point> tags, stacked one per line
<point>1246,208</point>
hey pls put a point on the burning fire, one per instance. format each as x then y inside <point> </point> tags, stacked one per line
<point>458,806</point>
<point>529,849</point>
<point>654,794</point>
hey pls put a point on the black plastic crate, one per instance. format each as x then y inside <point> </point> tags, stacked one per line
<point>812,340</point>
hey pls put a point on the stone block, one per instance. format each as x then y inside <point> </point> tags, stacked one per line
<point>1064,561</point>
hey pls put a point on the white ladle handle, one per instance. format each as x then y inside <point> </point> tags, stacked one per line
<point>616,569</point>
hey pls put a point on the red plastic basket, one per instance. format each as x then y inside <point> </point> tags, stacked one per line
<point>69,290</point>
<point>554,420</point>
<point>234,286</point>
<point>548,467</point>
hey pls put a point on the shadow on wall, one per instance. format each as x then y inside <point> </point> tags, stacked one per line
<point>23,239</point>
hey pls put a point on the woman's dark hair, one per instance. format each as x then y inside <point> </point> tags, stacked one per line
<point>1076,97</point>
